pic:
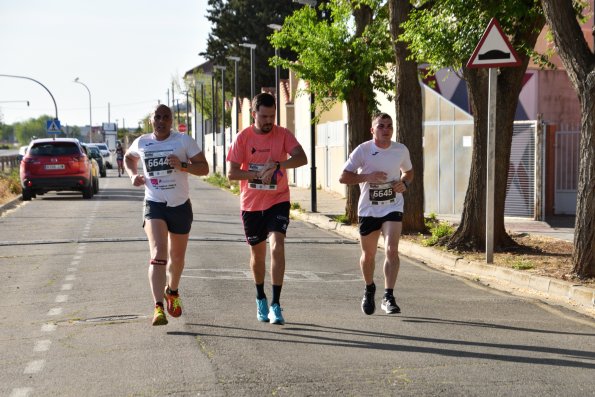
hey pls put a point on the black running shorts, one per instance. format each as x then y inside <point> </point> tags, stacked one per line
<point>369,224</point>
<point>258,224</point>
<point>178,219</point>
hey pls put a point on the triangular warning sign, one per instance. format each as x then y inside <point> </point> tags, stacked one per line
<point>494,50</point>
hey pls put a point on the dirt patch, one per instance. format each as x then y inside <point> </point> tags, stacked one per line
<point>537,255</point>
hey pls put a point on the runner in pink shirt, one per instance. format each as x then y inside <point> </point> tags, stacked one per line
<point>259,158</point>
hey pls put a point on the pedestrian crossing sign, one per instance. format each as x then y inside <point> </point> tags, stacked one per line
<point>53,126</point>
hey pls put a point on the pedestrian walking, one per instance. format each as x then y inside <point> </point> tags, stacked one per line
<point>383,170</point>
<point>120,159</point>
<point>167,158</point>
<point>259,158</point>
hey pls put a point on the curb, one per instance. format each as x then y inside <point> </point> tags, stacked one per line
<point>576,297</point>
<point>10,205</point>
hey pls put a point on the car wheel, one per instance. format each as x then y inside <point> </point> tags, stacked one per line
<point>95,185</point>
<point>88,191</point>
<point>26,195</point>
<point>103,173</point>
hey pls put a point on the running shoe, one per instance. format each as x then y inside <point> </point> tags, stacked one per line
<point>368,304</point>
<point>275,315</point>
<point>159,316</point>
<point>389,305</point>
<point>174,304</point>
<point>262,310</point>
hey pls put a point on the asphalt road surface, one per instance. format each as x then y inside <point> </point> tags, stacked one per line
<point>77,309</point>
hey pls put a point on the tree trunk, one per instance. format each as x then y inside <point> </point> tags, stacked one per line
<point>360,126</point>
<point>471,232</point>
<point>579,62</point>
<point>408,123</point>
<point>358,109</point>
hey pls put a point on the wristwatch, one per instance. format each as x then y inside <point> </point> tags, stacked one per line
<point>405,183</point>
<point>184,166</point>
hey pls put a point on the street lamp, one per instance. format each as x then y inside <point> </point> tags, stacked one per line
<point>277,28</point>
<point>236,60</point>
<point>213,121</point>
<point>222,68</point>
<point>90,112</point>
<point>252,48</point>
<point>44,87</point>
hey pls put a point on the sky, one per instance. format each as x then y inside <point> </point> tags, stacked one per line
<point>127,52</point>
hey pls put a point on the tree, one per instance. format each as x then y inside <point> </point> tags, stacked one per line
<point>245,21</point>
<point>579,62</point>
<point>408,104</point>
<point>30,129</point>
<point>343,56</point>
<point>445,36</point>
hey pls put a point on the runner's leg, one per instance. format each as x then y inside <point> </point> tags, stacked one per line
<point>177,257</point>
<point>156,230</point>
<point>258,254</point>
<point>392,234</point>
<point>367,262</point>
<point>277,242</point>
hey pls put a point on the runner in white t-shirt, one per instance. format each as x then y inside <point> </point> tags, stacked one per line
<point>167,158</point>
<point>383,170</point>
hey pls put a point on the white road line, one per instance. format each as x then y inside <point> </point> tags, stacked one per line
<point>56,311</point>
<point>21,392</point>
<point>70,277</point>
<point>71,269</point>
<point>42,345</point>
<point>76,258</point>
<point>61,298</point>
<point>66,287</point>
<point>48,327</point>
<point>34,367</point>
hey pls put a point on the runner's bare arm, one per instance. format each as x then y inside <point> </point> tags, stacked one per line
<point>353,178</point>
<point>235,173</point>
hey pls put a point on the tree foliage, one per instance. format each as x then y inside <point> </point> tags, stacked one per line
<point>342,48</point>
<point>444,34</point>
<point>31,129</point>
<point>245,21</point>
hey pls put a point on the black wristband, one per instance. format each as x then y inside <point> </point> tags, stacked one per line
<point>405,183</point>
<point>278,165</point>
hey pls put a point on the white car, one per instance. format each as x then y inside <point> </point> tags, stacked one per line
<point>105,152</point>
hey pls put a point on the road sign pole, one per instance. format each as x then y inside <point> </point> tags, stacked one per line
<point>491,163</point>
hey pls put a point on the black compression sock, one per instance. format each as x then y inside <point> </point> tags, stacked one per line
<point>371,288</point>
<point>276,294</point>
<point>260,291</point>
<point>388,292</point>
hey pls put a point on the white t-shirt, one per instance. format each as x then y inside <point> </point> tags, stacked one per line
<point>378,200</point>
<point>164,184</point>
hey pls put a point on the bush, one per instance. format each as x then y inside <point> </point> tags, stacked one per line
<point>439,230</point>
<point>10,185</point>
<point>221,181</point>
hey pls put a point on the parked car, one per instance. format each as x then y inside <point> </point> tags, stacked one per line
<point>22,152</point>
<point>57,164</point>
<point>94,153</point>
<point>106,153</point>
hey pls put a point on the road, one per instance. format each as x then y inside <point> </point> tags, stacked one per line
<point>77,309</point>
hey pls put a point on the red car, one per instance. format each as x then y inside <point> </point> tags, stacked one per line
<point>56,165</point>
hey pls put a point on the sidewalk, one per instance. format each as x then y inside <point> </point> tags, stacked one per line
<point>579,298</point>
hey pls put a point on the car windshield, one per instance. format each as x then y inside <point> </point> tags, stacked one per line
<point>54,149</point>
<point>102,146</point>
<point>93,150</point>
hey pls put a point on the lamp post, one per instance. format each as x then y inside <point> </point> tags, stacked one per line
<point>236,60</point>
<point>252,48</point>
<point>45,88</point>
<point>213,121</point>
<point>222,69</point>
<point>277,28</point>
<point>312,3</point>
<point>90,109</point>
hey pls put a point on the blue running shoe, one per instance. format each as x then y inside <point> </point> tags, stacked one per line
<point>275,314</point>
<point>262,310</point>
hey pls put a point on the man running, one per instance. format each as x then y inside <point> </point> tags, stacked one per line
<point>259,160</point>
<point>383,170</point>
<point>167,157</point>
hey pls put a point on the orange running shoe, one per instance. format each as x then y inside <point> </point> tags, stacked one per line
<point>159,316</point>
<point>174,304</point>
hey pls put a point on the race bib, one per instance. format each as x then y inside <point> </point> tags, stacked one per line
<point>156,163</point>
<point>257,183</point>
<point>382,193</point>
